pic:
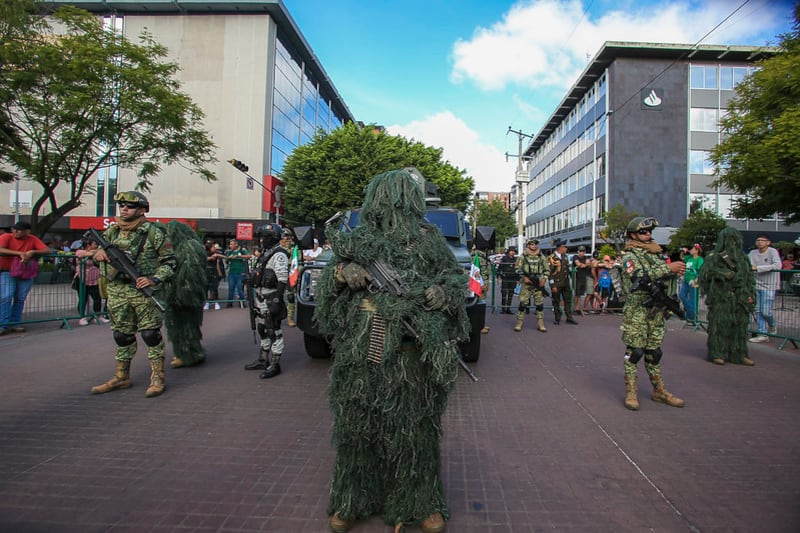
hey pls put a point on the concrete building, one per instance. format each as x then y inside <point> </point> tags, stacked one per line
<point>263,91</point>
<point>636,129</point>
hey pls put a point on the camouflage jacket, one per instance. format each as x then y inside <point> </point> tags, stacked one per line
<point>533,265</point>
<point>150,248</point>
<point>636,263</point>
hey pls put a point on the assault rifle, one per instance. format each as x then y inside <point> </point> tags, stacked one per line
<point>122,261</point>
<point>657,297</point>
<point>386,279</point>
<point>535,281</point>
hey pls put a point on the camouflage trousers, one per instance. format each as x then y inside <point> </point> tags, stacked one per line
<point>130,312</point>
<point>526,293</point>
<point>642,327</point>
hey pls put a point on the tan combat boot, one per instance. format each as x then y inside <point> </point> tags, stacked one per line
<point>156,378</point>
<point>631,393</point>
<point>121,379</point>
<point>433,524</point>
<point>339,524</point>
<point>518,325</point>
<point>176,362</point>
<point>661,394</point>
<point>540,325</point>
<point>485,330</point>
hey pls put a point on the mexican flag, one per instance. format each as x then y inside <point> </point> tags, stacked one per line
<point>475,279</point>
<point>294,269</point>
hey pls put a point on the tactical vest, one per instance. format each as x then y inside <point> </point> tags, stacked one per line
<point>262,276</point>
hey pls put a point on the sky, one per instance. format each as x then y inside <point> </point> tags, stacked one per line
<point>458,74</point>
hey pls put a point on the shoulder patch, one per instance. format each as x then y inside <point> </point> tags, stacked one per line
<point>629,266</point>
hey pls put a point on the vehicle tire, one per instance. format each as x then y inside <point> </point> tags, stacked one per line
<point>316,347</point>
<point>471,351</point>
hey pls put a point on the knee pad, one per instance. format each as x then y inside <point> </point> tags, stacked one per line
<point>523,308</point>
<point>124,339</point>
<point>151,337</point>
<point>540,308</point>
<point>264,332</point>
<point>655,355</point>
<point>290,298</point>
<point>634,354</point>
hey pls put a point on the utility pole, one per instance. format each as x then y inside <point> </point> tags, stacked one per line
<point>521,179</point>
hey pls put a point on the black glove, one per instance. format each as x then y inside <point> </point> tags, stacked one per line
<point>274,307</point>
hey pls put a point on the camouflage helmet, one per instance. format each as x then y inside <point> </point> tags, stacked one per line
<point>641,223</point>
<point>531,240</point>
<point>269,234</point>
<point>134,197</point>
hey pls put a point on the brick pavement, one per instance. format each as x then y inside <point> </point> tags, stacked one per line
<point>541,442</point>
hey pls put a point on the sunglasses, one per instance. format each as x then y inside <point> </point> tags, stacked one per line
<point>129,205</point>
<point>644,231</point>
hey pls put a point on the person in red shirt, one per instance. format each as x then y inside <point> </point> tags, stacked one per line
<point>13,291</point>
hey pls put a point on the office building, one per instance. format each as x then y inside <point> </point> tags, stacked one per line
<point>263,92</point>
<point>636,129</point>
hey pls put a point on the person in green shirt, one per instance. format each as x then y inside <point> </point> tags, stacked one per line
<point>236,256</point>
<point>688,292</point>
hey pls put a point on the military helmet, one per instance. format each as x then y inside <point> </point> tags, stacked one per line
<point>133,197</point>
<point>531,240</point>
<point>287,233</point>
<point>641,223</point>
<point>269,234</point>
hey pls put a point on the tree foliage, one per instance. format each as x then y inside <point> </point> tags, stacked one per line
<point>495,214</point>
<point>329,173</point>
<point>702,227</point>
<point>616,220</point>
<point>759,156</point>
<point>76,98</point>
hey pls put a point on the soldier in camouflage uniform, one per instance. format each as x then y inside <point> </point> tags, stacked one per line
<point>287,242</point>
<point>560,282</point>
<point>642,326</point>
<point>533,270</point>
<point>131,311</point>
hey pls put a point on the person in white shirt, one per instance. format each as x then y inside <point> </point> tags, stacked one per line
<point>310,255</point>
<point>765,261</point>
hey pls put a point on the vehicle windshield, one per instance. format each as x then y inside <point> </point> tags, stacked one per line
<point>446,221</point>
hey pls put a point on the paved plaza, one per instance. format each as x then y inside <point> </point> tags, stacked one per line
<point>541,442</point>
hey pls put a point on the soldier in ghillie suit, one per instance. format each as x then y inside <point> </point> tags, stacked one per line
<point>184,295</point>
<point>727,281</point>
<point>131,311</point>
<point>396,358</point>
<point>643,323</point>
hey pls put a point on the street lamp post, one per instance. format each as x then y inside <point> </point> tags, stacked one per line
<point>522,178</point>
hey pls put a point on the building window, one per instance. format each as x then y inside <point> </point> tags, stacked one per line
<point>699,163</point>
<point>701,119</point>
<point>703,77</point>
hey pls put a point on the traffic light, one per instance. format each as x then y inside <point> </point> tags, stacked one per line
<point>239,165</point>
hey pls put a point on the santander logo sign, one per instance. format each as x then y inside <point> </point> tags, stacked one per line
<point>651,99</point>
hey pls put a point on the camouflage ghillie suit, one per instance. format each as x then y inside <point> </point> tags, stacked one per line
<point>534,271</point>
<point>184,295</point>
<point>130,310</point>
<point>729,286</point>
<point>388,390</point>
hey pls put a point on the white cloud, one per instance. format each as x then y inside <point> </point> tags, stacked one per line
<point>544,43</point>
<point>462,147</point>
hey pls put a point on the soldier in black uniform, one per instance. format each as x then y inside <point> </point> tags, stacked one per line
<point>507,272</point>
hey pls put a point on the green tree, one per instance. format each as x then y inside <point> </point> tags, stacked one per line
<point>759,156</point>
<point>76,98</point>
<point>495,214</point>
<point>616,220</point>
<point>702,227</point>
<point>329,173</point>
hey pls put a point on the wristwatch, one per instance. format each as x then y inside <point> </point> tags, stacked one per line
<point>156,280</point>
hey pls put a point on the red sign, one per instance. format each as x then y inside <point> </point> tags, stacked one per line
<point>244,231</point>
<point>272,195</point>
<point>103,223</point>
